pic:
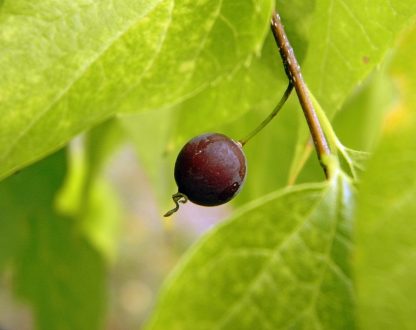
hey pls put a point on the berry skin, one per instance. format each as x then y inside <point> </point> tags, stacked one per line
<point>210,169</point>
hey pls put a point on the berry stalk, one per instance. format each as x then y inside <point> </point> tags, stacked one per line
<point>294,74</point>
<point>271,116</point>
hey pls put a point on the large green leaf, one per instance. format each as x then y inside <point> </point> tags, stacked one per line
<point>255,86</point>
<point>282,262</point>
<point>66,65</point>
<point>54,267</point>
<point>347,40</point>
<point>386,224</point>
<point>233,106</point>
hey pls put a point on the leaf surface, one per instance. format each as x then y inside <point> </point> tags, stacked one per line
<point>386,226</point>
<point>347,40</point>
<point>281,263</point>
<point>67,65</point>
<point>54,267</point>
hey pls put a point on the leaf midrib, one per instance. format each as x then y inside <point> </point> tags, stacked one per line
<point>239,303</point>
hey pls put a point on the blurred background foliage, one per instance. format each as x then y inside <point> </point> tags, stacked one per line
<point>83,243</point>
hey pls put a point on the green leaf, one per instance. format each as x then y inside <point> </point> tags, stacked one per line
<point>13,231</point>
<point>254,87</point>
<point>358,123</point>
<point>386,227</point>
<point>347,40</point>
<point>67,65</point>
<point>269,153</point>
<point>54,267</point>
<point>282,262</point>
<point>156,158</point>
<point>87,196</point>
<point>100,145</point>
<point>218,108</point>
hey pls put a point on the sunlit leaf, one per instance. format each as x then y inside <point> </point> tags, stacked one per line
<point>386,226</point>
<point>282,262</point>
<point>347,40</point>
<point>67,65</point>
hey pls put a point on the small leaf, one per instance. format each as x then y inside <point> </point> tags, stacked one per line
<point>355,159</point>
<point>283,262</point>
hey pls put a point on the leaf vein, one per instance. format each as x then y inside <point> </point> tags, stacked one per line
<point>236,307</point>
<point>77,76</point>
<point>358,23</point>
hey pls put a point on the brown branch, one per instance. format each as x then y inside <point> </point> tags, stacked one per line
<point>294,74</point>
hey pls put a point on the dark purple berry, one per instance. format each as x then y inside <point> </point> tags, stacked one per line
<point>210,169</point>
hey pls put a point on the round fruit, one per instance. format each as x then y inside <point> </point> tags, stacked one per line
<point>210,169</point>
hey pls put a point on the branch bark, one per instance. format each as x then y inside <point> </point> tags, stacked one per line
<point>294,74</point>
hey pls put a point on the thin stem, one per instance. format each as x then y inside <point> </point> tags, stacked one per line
<point>300,163</point>
<point>177,198</point>
<point>332,138</point>
<point>263,124</point>
<point>294,74</point>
